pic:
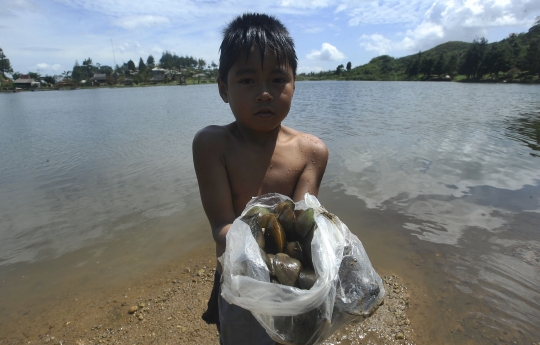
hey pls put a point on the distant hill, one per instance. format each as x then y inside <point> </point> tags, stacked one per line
<point>515,58</point>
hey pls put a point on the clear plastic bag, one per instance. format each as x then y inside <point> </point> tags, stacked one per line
<point>347,286</point>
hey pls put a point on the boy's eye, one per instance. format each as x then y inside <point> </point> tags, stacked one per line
<point>246,81</point>
<point>280,80</point>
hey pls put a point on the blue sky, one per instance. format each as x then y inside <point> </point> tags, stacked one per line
<point>50,35</point>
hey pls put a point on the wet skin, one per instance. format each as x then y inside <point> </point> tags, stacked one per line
<point>255,154</point>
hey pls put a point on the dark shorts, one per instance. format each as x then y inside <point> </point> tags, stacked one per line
<point>235,325</point>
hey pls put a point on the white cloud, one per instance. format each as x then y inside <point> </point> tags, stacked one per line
<point>327,53</point>
<point>44,67</point>
<point>306,3</point>
<point>440,22</point>
<point>143,21</point>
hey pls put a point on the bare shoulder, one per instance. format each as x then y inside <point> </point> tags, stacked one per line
<point>309,144</point>
<point>210,136</point>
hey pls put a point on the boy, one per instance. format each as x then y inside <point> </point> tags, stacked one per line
<point>255,154</point>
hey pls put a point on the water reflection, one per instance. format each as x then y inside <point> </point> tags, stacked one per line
<point>526,129</point>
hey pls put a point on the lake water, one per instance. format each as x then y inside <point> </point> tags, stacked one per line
<point>441,182</point>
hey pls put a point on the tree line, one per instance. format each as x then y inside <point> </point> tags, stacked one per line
<point>516,57</point>
<point>140,72</point>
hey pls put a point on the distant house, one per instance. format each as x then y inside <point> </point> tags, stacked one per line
<point>128,81</point>
<point>157,78</point>
<point>200,77</point>
<point>25,82</point>
<point>98,78</point>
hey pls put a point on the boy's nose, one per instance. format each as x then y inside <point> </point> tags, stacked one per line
<point>264,96</point>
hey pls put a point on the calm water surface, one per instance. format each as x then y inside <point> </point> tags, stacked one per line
<point>440,181</point>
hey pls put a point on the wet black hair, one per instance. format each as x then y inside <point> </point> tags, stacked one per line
<point>265,32</point>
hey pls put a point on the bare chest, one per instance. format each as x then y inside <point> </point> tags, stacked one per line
<point>256,173</point>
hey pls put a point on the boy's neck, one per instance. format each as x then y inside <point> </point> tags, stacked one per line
<point>257,138</point>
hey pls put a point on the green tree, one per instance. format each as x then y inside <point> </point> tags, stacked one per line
<point>34,75</point>
<point>532,59</point>
<point>5,65</point>
<point>386,63</point>
<point>439,66</point>
<point>142,66</point>
<point>339,69</point>
<point>201,63</point>
<point>49,79</point>
<point>349,66</point>
<point>131,65</point>
<point>413,67</point>
<point>452,65</point>
<point>473,64</point>
<point>426,66</point>
<point>87,69</point>
<point>77,73</point>
<point>150,61</point>
<point>536,26</point>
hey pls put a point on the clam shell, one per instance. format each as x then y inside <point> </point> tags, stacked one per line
<point>257,232</point>
<point>288,221</point>
<point>306,247</point>
<point>287,269</point>
<point>271,267</point>
<point>274,236</point>
<point>294,250</point>
<point>307,278</point>
<point>256,210</point>
<point>283,204</point>
<point>305,223</point>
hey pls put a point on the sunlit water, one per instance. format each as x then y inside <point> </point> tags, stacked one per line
<point>448,174</point>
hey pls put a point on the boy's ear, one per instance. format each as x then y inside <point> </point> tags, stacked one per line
<point>223,90</point>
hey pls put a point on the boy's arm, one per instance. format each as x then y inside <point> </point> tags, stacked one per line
<point>316,160</point>
<point>213,181</point>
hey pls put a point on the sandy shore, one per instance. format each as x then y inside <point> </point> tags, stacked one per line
<point>165,307</point>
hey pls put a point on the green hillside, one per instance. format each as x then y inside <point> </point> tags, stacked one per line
<point>515,59</point>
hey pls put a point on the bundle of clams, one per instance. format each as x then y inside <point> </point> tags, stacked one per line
<point>284,237</point>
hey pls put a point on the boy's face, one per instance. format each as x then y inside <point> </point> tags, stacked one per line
<point>259,96</point>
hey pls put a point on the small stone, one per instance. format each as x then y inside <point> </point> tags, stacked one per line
<point>169,318</point>
<point>200,272</point>
<point>133,309</point>
<point>400,336</point>
<point>186,270</point>
<point>141,317</point>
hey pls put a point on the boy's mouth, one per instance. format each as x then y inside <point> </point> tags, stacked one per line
<point>264,112</point>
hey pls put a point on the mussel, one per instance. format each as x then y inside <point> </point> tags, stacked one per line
<point>283,204</point>
<point>305,222</point>
<point>257,232</point>
<point>294,250</point>
<point>288,221</point>
<point>256,211</point>
<point>307,278</point>
<point>271,264</point>
<point>274,236</point>
<point>287,269</point>
<point>306,247</point>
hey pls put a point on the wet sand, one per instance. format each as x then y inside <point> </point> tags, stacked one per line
<point>165,307</point>
<point>85,296</point>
